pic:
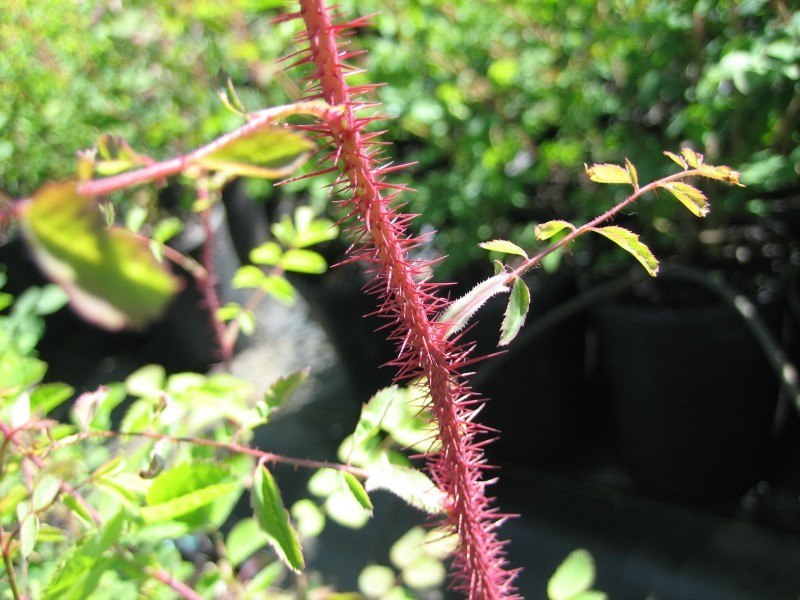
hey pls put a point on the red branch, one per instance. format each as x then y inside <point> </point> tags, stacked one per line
<point>411,304</point>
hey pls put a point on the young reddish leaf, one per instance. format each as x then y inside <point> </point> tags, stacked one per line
<point>517,309</point>
<point>690,197</point>
<point>677,159</point>
<point>629,241</point>
<point>607,173</point>
<point>503,246</point>
<point>544,231</point>
<point>112,279</point>
<point>267,153</point>
<point>694,159</point>
<point>358,491</point>
<point>274,519</point>
<point>461,311</point>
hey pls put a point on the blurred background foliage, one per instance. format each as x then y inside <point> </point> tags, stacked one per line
<point>500,102</point>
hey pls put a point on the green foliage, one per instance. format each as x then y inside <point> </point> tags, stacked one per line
<point>573,579</point>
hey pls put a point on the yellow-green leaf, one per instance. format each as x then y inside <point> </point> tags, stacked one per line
<point>358,491</point>
<point>608,173</point>
<point>274,519</point>
<point>111,278</point>
<point>304,261</point>
<point>677,159</point>
<point>268,153</point>
<point>690,197</point>
<point>694,159</point>
<point>517,309</point>
<point>632,171</point>
<point>545,231</point>
<point>629,241</point>
<point>503,246</point>
<point>572,577</point>
<point>721,173</point>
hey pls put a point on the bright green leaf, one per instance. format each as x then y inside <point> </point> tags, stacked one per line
<point>461,310</point>
<point>309,518</point>
<point>721,173</point>
<point>544,231</point>
<point>376,580</point>
<point>274,519</point>
<point>634,175</point>
<point>45,491</point>
<point>516,311</point>
<point>345,510</point>
<point>244,538</point>
<point>248,276</point>
<point>28,530</point>
<point>166,229</point>
<point>146,381</point>
<point>424,574</point>
<point>283,387</point>
<point>573,576</point>
<point>48,396</point>
<point>304,261</point>
<point>694,159</point>
<point>268,253</point>
<point>279,288</point>
<point>503,246</point>
<point>358,491</point>
<point>267,153</point>
<point>409,548</point>
<point>112,279</point>
<point>690,197</point>
<point>677,160</point>
<point>411,485</point>
<point>608,173</point>
<point>629,241</point>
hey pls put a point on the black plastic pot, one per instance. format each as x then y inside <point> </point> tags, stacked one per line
<point>693,395</point>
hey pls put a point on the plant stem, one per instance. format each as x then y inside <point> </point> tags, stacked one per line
<point>257,121</point>
<point>167,579</point>
<point>12,577</point>
<point>638,193</point>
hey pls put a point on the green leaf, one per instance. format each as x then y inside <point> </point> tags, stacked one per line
<point>227,94</point>
<point>411,485</point>
<point>544,231</point>
<point>409,548</point>
<point>309,518</point>
<point>358,491</point>
<point>634,175</point>
<point>376,580</point>
<point>283,387</point>
<point>345,510</point>
<point>146,381</point>
<point>304,261</point>
<point>629,241</point>
<point>114,155</point>
<point>573,576</point>
<point>28,530</point>
<point>503,246</point>
<point>76,507</point>
<point>690,197</point>
<point>244,538</point>
<point>248,276</point>
<point>186,493</point>
<point>11,498</point>
<point>608,173</point>
<point>279,288</point>
<point>45,491</point>
<point>268,253</point>
<point>274,519</point>
<point>265,578</point>
<point>721,173</point>
<point>317,231</point>
<point>694,159</point>
<point>677,160</point>
<point>267,153</point>
<point>166,229</point>
<point>460,311</point>
<point>48,396</point>
<point>424,574</point>
<point>516,311</point>
<point>112,279</point>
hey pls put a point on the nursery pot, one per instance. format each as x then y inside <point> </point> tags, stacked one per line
<point>693,395</point>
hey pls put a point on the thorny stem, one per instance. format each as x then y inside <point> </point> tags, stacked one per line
<point>232,447</point>
<point>208,283</point>
<point>257,121</point>
<point>638,193</point>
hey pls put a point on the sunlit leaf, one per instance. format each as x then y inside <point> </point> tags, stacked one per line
<point>309,518</point>
<point>573,576</point>
<point>48,396</point>
<point>629,241</point>
<point>460,311</point>
<point>677,159</point>
<point>304,261</point>
<point>516,311</point>
<point>279,288</point>
<point>376,580</point>
<point>267,153</point>
<point>345,510</point>
<point>112,279</point>
<point>424,574</point>
<point>248,276</point>
<point>503,246</point>
<point>608,173</point>
<point>545,231</point>
<point>114,155</point>
<point>632,171</point>
<point>721,173</point>
<point>274,519</point>
<point>691,157</point>
<point>690,197</point>
<point>28,529</point>
<point>268,253</point>
<point>358,491</point>
<point>411,485</point>
<point>244,538</point>
<point>283,387</point>
<point>146,381</point>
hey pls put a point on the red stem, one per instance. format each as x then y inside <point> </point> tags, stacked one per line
<point>423,351</point>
